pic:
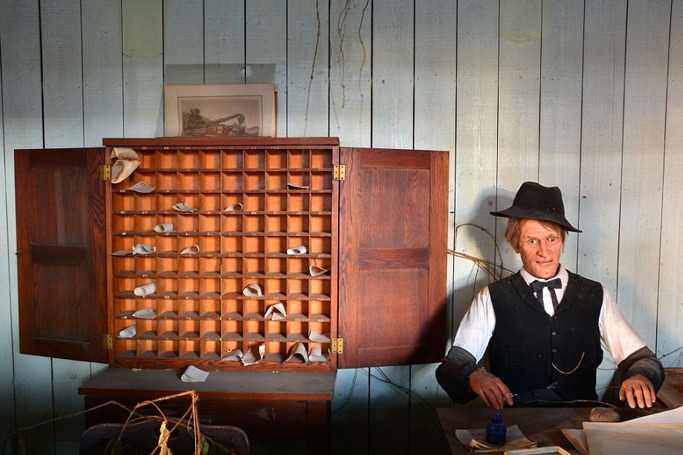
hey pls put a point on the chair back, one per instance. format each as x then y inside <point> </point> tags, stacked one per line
<point>142,438</point>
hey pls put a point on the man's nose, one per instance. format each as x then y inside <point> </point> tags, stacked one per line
<point>542,248</point>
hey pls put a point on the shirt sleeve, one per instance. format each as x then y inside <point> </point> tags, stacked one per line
<point>619,336</point>
<point>468,348</point>
<point>454,373</point>
<point>476,327</point>
<point>627,348</point>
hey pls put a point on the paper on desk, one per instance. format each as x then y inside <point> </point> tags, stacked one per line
<point>578,440</point>
<point>194,374</point>
<point>625,438</point>
<point>659,433</point>
<point>671,416</point>
<point>475,440</point>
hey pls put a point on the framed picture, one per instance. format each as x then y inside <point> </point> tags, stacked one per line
<point>220,110</point>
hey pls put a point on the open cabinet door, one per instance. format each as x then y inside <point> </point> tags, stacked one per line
<point>61,253</point>
<point>392,257</point>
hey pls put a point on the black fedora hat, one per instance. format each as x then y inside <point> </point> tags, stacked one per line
<point>537,202</point>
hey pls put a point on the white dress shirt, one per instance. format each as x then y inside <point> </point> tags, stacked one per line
<point>477,325</point>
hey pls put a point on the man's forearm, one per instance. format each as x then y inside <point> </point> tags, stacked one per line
<point>453,373</point>
<point>645,363</point>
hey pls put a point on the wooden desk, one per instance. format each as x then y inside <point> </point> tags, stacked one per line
<point>542,425</point>
<point>671,393</point>
<point>264,405</point>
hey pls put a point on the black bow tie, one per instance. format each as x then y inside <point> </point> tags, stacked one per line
<point>537,288</point>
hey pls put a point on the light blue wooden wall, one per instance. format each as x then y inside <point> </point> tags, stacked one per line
<point>584,95</point>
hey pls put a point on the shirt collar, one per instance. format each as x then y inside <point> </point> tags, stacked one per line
<point>561,274</point>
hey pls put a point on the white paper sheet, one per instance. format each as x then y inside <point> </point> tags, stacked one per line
<point>194,374</point>
<point>659,433</point>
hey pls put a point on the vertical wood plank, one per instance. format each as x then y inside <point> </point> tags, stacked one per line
<point>63,123</point>
<point>350,72</point>
<point>601,147</point>
<point>307,68</point>
<point>350,89</point>
<point>142,68</point>
<point>436,31</point>
<point>560,114</point>
<point>224,41</point>
<point>425,396</point>
<point>102,71</point>
<point>183,42</point>
<point>393,76</point>
<point>22,79</point>
<point>389,425</point>
<point>644,122</point>
<point>7,408</point>
<point>102,81</point>
<point>476,148</point>
<point>518,112</point>
<point>62,73</point>
<point>266,51</point>
<point>393,62</point>
<point>670,309</point>
<point>603,87</point>
<point>350,412</point>
<point>30,399</point>
<point>349,115</point>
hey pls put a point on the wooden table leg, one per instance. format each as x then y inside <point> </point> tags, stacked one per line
<point>318,426</point>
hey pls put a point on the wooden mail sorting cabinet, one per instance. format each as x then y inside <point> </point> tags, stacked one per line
<point>242,265</point>
<point>287,254</point>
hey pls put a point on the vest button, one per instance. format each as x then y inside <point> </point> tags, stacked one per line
<point>554,333</point>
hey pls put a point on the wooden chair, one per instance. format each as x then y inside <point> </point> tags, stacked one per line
<point>141,438</point>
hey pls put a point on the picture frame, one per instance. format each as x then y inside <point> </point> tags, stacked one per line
<point>227,110</point>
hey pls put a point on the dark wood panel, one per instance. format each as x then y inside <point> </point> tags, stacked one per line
<point>61,253</point>
<point>394,257</point>
<point>392,269</point>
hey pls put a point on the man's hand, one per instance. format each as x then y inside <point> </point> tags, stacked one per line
<point>493,392</point>
<point>637,390</point>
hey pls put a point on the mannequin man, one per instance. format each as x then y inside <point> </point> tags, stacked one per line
<point>543,326</point>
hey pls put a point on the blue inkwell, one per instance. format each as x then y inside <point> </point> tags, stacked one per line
<point>496,430</point>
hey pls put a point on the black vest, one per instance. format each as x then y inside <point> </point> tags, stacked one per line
<point>531,350</point>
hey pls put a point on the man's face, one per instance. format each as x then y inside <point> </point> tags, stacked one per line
<point>540,248</point>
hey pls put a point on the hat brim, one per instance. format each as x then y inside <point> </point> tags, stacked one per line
<point>529,214</point>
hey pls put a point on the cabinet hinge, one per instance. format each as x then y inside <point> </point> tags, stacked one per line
<point>337,345</point>
<point>105,172</point>
<point>339,172</point>
<point>107,342</point>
